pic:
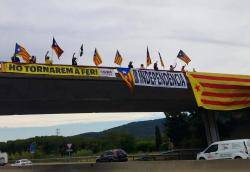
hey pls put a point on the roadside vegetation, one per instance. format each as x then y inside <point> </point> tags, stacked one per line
<point>182,130</point>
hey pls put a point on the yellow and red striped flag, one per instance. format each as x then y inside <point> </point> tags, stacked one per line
<point>97,58</point>
<point>56,48</point>
<point>184,57</point>
<point>21,52</point>
<point>161,60</point>
<point>118,58</point>
<point>149,62</point>
<point>127,75</point>
<point>220,91</point>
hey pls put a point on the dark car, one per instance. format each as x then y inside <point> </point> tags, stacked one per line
<point>115,155</point>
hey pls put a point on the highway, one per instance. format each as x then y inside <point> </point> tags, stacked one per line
<point>140,166</point>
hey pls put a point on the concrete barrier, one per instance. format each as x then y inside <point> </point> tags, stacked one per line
<point>147,166</point>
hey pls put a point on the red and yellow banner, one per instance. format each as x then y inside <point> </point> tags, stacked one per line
<point>220,91</point>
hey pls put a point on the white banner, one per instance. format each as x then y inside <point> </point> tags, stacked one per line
<point>107,72</point>
<point>154,78</point>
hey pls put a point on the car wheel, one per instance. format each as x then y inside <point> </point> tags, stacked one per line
<point>238,157</point>
<point>201,158</point>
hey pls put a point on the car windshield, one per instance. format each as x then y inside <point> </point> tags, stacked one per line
<point>107,153</point>
<point>212,148</point>
<point>122,151</point>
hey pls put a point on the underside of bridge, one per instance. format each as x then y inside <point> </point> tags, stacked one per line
<point>40,94</point>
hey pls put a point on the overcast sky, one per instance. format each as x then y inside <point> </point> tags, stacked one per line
<point>215,33</point>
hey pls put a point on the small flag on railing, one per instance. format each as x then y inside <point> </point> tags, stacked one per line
<point>161,60</point>
<point>149,62</point>
<point>81,51</point>
<point>21,52</point>
<point>118,58</point>
<point>97,58</point>
<point>181,55</point>
<point>56,48</point>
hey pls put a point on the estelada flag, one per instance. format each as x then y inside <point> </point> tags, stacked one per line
<point>181,55</point>
<point>21,52</point>
<point>97,58</point>
<point>127,75</point>
<point>220,91</point>
<point>81,50</point>
<point>161,60</point>
<point>118,58</point>
<point>149,62</point>
<point>56,48</point>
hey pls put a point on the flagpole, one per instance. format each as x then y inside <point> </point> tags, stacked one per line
<point>52,54</point>
<point>147,59</point>
<point>161,60</point>
<point>175,61</point>
<point>79,53</point>
<point>78,56</point>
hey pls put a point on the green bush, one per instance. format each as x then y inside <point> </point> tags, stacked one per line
<point>83,152</point>
<point>145,146</point>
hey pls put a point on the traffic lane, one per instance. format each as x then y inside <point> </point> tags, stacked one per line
<point>147,166</point>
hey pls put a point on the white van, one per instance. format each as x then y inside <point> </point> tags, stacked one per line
<point>229,149</point>
<point>3,158</point>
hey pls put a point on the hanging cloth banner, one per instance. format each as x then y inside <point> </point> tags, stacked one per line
<point>220,91</point>
<point>61,70</point>
<point>165,79</point>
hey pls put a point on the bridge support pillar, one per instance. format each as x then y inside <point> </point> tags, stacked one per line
<point>209,119</point>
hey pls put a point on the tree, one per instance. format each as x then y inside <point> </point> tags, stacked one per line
<point>158,139</point>
<point>127,143</point>
<point>145,145</point>
<point>185,129</point>
<point>177,127</point>
<point>196,131</point>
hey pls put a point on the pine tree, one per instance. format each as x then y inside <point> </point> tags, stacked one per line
<point>158,139</point>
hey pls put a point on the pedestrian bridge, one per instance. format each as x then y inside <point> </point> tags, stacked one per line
<point>53,89</point>
<point>22,93</point>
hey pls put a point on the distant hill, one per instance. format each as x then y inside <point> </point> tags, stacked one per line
<point>140,130</point>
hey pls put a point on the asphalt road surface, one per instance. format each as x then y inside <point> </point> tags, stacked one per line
<point>140,166</point>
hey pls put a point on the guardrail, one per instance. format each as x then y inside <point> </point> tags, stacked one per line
<point>178,154</point>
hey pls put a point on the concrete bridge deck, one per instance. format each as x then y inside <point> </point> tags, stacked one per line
<point>40,94</point>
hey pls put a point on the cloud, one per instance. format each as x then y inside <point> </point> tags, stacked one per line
<point>214,34</point>
<point>18,121</point>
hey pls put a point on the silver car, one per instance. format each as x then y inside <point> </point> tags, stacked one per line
<point>22,162</point>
